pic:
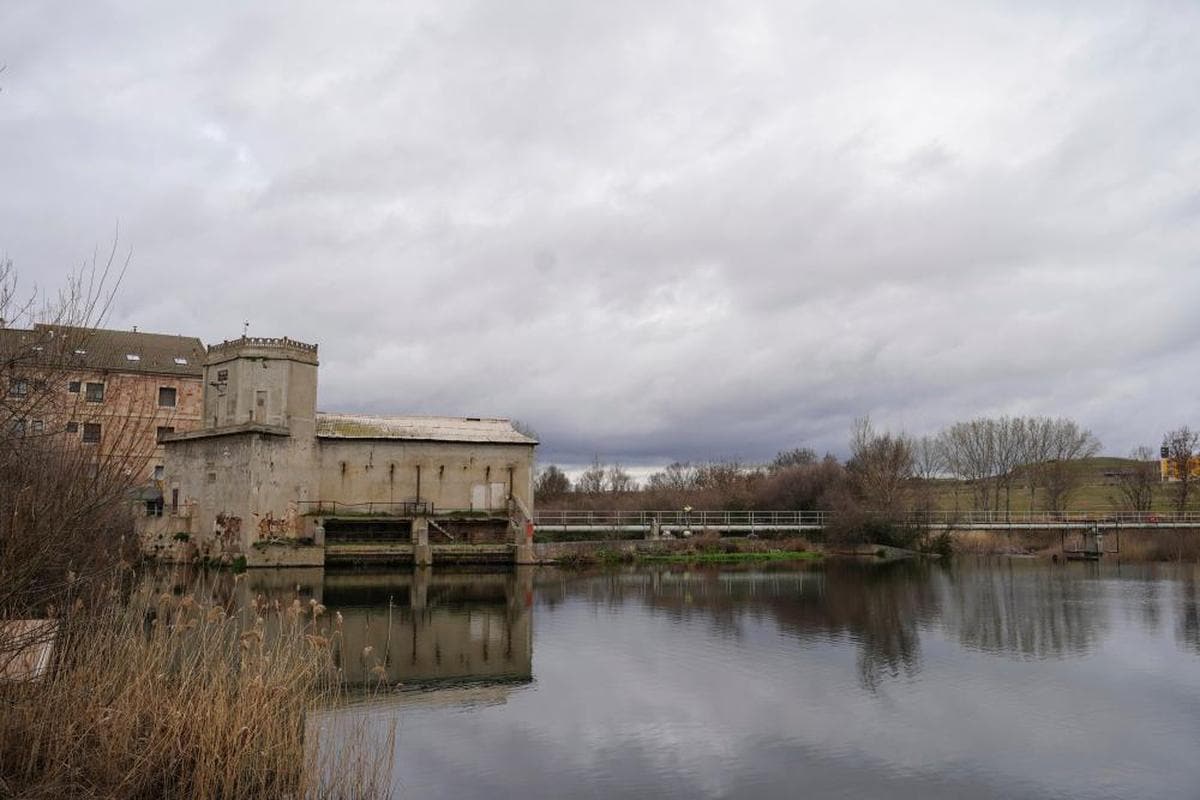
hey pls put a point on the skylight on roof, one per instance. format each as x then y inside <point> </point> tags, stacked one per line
<point>81,352</point>
<point>132,357</point>
<point>181,361</point>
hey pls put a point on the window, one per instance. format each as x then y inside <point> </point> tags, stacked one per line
<point>18,387</point>
<point>91,432</point>
<point>162,431</point>
<point>181,361</point>
<point>222,376</point>
<point>94,393</point>
<point>16,427</point>
<point>132,357</point>
<point>73,387</point>
<point>166,396</point>
<point>175,499</point>
<point>72,427</point>
<point>37,426</point>
<point>158,473</point>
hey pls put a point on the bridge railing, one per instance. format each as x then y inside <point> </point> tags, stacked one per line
<point>818,519</point>
<point>688,519</point>
<point>399,508</point>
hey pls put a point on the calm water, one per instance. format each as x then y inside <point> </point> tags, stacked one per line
<point>984,679</point>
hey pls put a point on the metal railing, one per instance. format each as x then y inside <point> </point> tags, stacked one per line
<point>399,508</point>
<point>696,519</point>
<point>819,519</point>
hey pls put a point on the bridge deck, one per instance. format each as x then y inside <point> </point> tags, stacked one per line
<point>800,521</point>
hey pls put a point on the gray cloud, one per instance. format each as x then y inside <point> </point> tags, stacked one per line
<point>682,231</point>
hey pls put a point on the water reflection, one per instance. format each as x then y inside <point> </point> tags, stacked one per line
<point>398,628</point>
<point>1000,678</point>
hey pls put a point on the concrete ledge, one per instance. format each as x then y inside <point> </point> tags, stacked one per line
<point>285,555</point>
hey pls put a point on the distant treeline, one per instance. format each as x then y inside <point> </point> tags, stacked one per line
<point>988,461</point>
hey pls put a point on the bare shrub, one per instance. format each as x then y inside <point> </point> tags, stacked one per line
<point>157,696</point>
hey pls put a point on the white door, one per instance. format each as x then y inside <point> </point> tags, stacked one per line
<point>479,497</point>
<point>499,496</point>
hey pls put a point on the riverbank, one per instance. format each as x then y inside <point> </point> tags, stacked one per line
<point>152,695</point>
<point>1150,546</point>
<point>709,549</point>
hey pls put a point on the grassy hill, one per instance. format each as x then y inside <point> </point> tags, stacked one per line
<point>1098,490</point>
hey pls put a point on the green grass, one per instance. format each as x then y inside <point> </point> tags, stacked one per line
<point>1095,492</point>
<point>732,558</point>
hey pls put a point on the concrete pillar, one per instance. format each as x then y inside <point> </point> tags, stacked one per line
<point>422,552</point>
<point>418,593</point>
<point>655,531</point>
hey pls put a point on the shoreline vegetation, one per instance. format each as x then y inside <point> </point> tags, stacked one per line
<point>152,695</point>
<point>731,558</point>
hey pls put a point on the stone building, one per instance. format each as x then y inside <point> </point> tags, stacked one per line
<point>270,479</point>
<point>118,392</point>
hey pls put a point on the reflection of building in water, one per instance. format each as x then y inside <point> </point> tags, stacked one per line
<point>419,626</point>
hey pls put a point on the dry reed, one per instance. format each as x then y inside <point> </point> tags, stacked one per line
<point>158,696</point>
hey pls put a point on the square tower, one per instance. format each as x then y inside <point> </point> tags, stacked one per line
<point>254,380</point>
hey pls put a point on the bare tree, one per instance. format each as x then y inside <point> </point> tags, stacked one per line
<point>592,479</point>
<point>551,482</point>
<point>1136,482</point>
<point>971,456</point>
<point>1069,444</point>
<point>880,467</point>
<point>618,481</point>
<point>675,477</point>
<point>1037,452</point>
<point>64,501</point>
<point>929,464</point>
<point>796,457</point>
<point>1179,449</point>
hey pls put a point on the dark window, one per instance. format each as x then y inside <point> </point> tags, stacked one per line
<point>36,426</point>
<point>154,508</point>
<point>16,427</point>
<point>174,499</point>
<point>72,427</point>
<point>18,387</point>
<point>158,473</point>
<point>91,432</point>
<point>73,387</point>
<point>222,376</point>
<point>162,431</point>
<point>166,396</point>
<point>94,393</point>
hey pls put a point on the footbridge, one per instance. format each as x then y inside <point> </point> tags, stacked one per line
<point>746,522</point>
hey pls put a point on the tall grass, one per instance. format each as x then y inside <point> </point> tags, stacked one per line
<point>158,696</point>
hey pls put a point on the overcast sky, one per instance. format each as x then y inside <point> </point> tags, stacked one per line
<point>649,230</point>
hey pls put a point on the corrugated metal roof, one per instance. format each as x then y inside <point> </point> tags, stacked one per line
<point>481,430</point>
<point>101,349</point>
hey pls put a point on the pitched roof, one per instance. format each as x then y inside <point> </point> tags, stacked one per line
<point>129,351</point>
<point>481,430</point>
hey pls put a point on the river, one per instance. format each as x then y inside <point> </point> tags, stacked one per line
<point>982,678</point>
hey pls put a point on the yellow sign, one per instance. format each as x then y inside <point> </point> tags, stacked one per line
<point>1170,470</point>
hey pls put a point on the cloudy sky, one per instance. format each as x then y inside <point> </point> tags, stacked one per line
<point>650,230</point>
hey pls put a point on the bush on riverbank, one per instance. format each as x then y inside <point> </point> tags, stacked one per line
<point>166,697</point>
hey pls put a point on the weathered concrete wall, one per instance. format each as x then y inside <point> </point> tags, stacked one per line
<point>270,381</point>
<point>206,491</point>
<point>285,555</point>
<point>452,476</point>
